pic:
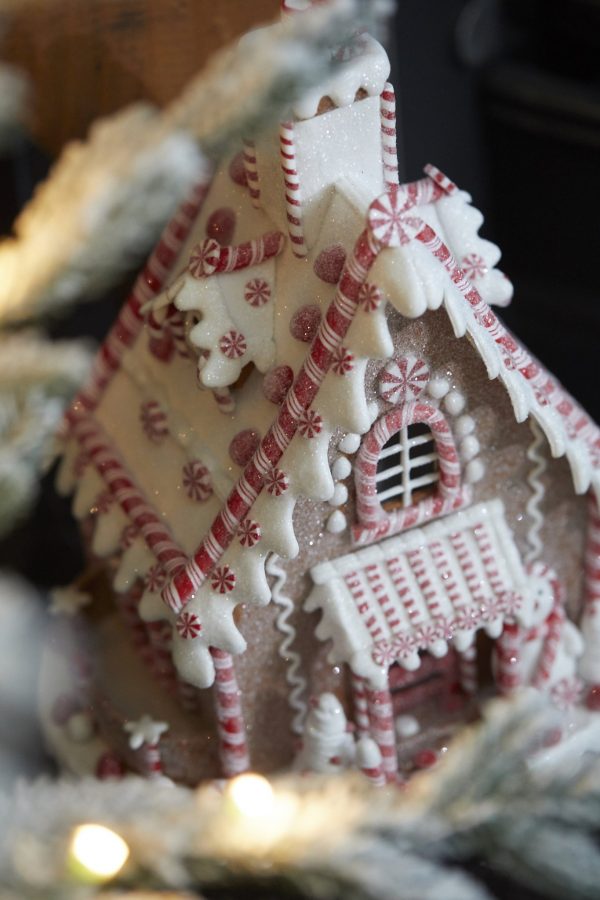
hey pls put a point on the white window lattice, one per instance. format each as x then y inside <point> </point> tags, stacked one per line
<point>407,463</point>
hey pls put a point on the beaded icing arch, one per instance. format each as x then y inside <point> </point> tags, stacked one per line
<point>373,520</point>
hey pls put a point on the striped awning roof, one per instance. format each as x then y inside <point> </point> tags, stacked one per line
<point>416,591</point>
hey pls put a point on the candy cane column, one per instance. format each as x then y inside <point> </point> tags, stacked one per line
<point>230,720</point>
<point>589,666</point>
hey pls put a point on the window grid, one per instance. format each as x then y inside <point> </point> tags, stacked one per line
<point>403,444</point>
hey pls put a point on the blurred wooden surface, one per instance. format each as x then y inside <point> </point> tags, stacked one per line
<point>87,58</point>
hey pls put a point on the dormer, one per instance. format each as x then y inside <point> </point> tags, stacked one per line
<point>340,129</point>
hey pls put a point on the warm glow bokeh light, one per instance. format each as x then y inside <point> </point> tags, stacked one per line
<point>100,851</point>
<point>252,795</point>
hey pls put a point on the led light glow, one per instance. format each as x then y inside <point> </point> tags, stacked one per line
<point>252,795</point>
<point>100,852</point>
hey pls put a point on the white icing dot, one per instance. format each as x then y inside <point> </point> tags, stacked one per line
<point>350,443</point>
<point>336,522</point>
<point>407,726</point>
<point>80,727</point>
<point>474,471</point>
<point>340,495</point>
<point>438,387</point>
<point>454,403</point>
<point>341,468</point>
<point>469,447</point>
<point>465,425</point>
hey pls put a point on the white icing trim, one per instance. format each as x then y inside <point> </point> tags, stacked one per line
<point>293,660</point>
<point>534,480</point>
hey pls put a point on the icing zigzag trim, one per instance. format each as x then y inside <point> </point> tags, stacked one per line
<point>533,505</point>
<point>297,682</point>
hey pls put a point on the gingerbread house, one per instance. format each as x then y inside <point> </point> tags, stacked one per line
<point>318,479</point>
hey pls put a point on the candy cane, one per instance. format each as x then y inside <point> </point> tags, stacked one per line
<point>209,258</point>
<point>130,320</point>
<point>230,720</point>
<point>361,709</point>
<point>251,170</point>
<point>330,334</point>
<point>507,654</point>
<point>381,717</point>
<point>467,667</point>
<point>388,135</point>
<point>545,666</point>
<point>293,197</point>
<point>592,552</point>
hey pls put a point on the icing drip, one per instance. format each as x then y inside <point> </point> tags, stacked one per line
<point>534,481</point>
<point>296,681</point>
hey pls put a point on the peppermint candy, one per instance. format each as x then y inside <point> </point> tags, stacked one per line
<point>343,361</point>
<point>402,380</point>
<point>205,258</point>
<point>188,626</point>
<point>386,220</point>
<point>310,424</point>
<point>370,297</point>
<point>233,344</point>
<point>257,292</point>
<point>155,579</point>
<point>249,533</point>
<point>473,266</point>
<point>196,481</point>
<point>223,580</point>
<point>276,482</point>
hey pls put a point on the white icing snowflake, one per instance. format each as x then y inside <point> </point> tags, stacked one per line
<point>67,601</point>
<point>145,731</point>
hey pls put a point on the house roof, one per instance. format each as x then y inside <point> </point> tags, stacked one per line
<point>203,539</point>
<point>413,592</point>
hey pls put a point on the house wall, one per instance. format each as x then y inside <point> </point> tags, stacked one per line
<point>504,452</point>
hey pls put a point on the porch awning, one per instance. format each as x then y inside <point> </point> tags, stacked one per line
<point>414,592</point>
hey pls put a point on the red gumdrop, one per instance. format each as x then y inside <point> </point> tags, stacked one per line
<point>277,383</point>
<point>425,759</point>
<point>65,706</point>
<point>329,263</point>
<point>109,766</point>
<point>592,701</point>
<point>221,225</point>
<point>237,170</point>
<point>243,445</point>
<point>305,322</point>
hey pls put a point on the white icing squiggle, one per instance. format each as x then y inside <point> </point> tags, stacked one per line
<point>538,491</point>
<point>293,659</point>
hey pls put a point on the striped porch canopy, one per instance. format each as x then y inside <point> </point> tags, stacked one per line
<point>415,592</point>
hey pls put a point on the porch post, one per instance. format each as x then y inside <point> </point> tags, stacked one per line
<point>381,717</point>
<point>233,749</point>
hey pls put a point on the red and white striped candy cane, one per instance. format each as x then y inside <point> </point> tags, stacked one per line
<point>467,668</point>
<point>388,135</point>
<point>507,651</point>
<point>153,759</point>
<point>209,258</point>
<point>544,670</point>
<point>299,398</point>
<point>361,709</point>
<point>224,400</point>
<point>232,730</point>
<point>381,718</point>
<point>592,552</point>
<point>293,195</point>
<point>130,320</point>
<point>251,170</point>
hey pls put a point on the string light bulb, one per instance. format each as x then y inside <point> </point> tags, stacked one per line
<point>251,795</point>
<point>97,852</point>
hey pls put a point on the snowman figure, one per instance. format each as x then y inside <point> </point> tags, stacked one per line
<point>327,745</point>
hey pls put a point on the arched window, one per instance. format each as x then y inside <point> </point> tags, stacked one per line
<point>407,472</point>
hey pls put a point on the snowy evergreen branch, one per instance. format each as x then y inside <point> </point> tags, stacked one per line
<point>107,198</point>
<point>37,378</point>
<point>487,801</point>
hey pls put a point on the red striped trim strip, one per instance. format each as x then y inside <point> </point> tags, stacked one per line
<point>293,196</point>
<point>388,136</point>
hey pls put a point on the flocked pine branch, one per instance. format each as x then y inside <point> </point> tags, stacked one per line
<point>107,198</point>
<point>488,801</point>
<point>37,378</point>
